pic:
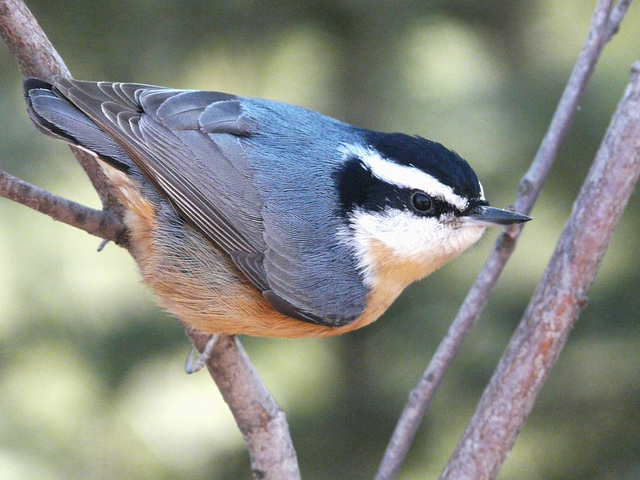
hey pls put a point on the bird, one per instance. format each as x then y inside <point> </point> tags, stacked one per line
<point>251,216</point>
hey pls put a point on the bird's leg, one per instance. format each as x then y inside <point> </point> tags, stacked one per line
<point>193,364</point>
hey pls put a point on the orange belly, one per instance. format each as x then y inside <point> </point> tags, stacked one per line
<point>202,287</point>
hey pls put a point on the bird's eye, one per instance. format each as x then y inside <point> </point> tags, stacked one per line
<point>421,202</point>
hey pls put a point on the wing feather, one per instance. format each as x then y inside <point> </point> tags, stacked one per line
<point>200,151</point>
<point>156,128</point>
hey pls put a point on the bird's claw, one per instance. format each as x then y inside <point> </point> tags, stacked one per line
<point>194,364</point>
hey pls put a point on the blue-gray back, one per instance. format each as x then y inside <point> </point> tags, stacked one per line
<point>256,178</point>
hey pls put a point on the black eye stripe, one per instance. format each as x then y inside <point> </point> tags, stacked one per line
<point>430,157</point>
<point>358,188</point>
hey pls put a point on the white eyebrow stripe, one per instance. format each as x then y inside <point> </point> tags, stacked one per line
<point>405,176</point>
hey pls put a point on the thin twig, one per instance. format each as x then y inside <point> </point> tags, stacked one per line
<point>602,27</point>
<point>604,23</point>
<point>263,425</point>
<point>96,222</point>
<point>617,15</point>
<point>561,295</point>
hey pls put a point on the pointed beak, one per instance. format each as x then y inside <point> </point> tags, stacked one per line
<point>485,216</point>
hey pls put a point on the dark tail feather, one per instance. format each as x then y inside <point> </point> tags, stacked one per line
<point>57,117</point>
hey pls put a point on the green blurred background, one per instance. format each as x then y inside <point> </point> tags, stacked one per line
<point>91,372</point>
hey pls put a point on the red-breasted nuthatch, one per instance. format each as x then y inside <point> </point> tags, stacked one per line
<point>256,217</point>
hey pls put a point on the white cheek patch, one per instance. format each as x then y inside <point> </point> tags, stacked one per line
<point>405,176</point>
<point>411,236</point>
<point>423,240</point>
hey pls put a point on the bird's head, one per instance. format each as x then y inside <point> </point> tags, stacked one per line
<point>410,205</point>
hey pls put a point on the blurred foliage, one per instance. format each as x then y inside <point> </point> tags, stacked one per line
<point>91,376</point>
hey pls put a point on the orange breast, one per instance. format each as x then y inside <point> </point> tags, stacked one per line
<point>200,286</point>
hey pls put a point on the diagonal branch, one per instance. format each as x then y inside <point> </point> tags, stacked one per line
<point>603,25</point>
<point>37,57</point>
<point>561,295</point>
<point>262,423</point>
<point>28,44</point>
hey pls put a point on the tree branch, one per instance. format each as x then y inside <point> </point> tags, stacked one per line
<point>262,423</point>
<point>555,306</point>
<point>603,25</point>
<point>100,223</point>
<point>37,57</point>
<point>28,44</point>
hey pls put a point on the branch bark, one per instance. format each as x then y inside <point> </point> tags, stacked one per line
<point>554,308</point>
<point>604,24</point>
<point>37,57</point>
<point>28,44</point>
<point>257,414</point>
<point>262,423</point>
<point>101,223</point>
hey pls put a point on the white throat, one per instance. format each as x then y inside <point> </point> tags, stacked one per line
<point>399,244</point>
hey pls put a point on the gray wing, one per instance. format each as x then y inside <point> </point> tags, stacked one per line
<point>160,131</point>
<point>188,144</point>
